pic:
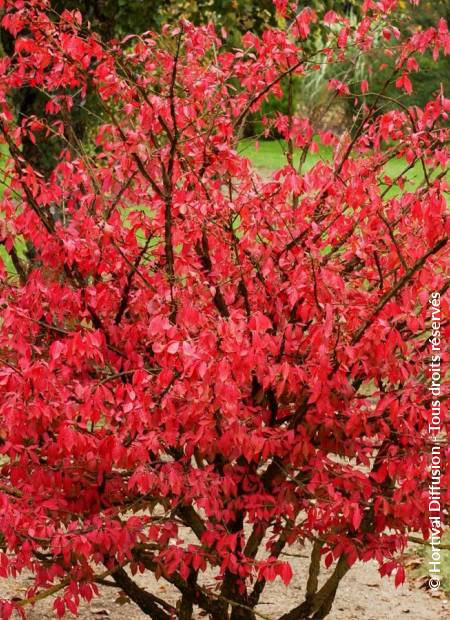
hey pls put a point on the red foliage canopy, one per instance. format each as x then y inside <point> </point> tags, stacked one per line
<point>199,347</point>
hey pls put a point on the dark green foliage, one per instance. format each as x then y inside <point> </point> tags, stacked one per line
<point>115,19</point>
<point>434,75</point>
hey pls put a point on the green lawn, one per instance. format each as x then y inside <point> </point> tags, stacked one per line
<point>266,156</point>
<point>424,553</point>
<point>20,243</point>
<point>20,248</point>
<point>269,155</point>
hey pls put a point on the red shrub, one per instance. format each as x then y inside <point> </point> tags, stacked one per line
<point>197,347</point>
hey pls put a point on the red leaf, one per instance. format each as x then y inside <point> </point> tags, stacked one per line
<point>285,572</point>
<point>59,607</point>
<point>400,576</point>
<point>56,348</point>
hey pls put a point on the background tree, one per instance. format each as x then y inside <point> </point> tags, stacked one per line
<point>434,73</point>
<point>115,19</point>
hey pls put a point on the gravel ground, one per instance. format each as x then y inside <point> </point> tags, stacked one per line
<point>363,595</point>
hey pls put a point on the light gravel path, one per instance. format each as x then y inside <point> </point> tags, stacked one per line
<point>363,595</point>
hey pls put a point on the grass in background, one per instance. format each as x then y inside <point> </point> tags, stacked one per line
<point>267,156</point>
<point>19,242</point>
<point>270,155</point>
<point>424,554</point>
